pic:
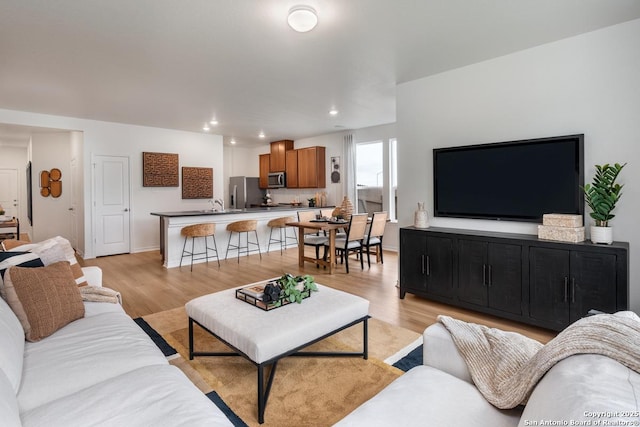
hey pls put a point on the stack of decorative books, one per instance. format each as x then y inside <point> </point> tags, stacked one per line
<point>562,228</point>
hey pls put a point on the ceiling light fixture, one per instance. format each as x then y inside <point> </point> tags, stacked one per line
<point>206,127</point>
<point>232,142</point>
<point>302,18</point>
<point>333,112</point>
<point>261,135</point>
<point>213,122</point>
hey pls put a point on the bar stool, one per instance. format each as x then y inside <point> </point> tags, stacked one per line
<point>199,230</point>
<point>281,225</point>
<point>243,227</point>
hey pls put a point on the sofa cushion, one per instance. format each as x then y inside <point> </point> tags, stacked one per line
<point>44,298</point>
<point>149,396</point>
<point>580,386</point>
<point>427,396</point>
<point>441,352</point>
<point>84,353</point>
<point>9,414</point>
<point>11,346</point>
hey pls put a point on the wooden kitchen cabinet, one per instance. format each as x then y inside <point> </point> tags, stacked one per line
<point>265,160</point>
<point>311,167</point>
<point>291,170</point>
<point>278,159</point>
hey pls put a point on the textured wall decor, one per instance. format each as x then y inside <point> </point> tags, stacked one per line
<point>197,183</point>
<point>159,170</point>
<point>50,183</point>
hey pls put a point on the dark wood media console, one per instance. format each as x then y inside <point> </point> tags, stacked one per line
<point>515,276</point>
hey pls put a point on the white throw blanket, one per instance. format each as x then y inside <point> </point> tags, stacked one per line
<point>506,366</point>
<point>100,294</point>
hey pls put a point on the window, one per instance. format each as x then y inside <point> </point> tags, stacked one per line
<point>376,177</point>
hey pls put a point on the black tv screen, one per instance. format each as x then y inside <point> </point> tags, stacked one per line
<point>516,180</point>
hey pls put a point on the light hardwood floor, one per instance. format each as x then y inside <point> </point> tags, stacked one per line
<point>147,287</point>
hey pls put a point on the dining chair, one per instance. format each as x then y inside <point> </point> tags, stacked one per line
<point>312,237</point>
<point>352,242</point>
<point>374,236</point>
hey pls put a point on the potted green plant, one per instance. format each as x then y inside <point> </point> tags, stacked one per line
<point>601,196</point>
<point>312,202</point>
<point>294,286</point>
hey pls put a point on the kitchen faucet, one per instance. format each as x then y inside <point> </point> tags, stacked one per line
<point>220,202</point>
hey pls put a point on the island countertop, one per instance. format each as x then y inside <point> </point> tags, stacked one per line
<point>202,212</point>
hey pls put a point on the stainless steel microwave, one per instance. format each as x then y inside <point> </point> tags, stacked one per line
<point>277,180</point>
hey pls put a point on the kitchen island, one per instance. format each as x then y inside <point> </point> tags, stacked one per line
<point>171,241</point>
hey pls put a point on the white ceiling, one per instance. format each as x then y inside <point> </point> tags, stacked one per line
<point>176,64</point>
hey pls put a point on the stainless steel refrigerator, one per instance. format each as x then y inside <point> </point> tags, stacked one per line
<point>244,191</point>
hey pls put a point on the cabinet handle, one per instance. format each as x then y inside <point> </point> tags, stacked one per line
<point>423,262</point>
<point>484,274</point>
<point>566,289</point>
<point>490,276</point>
<point>573,290</point>
<point>428,266</point>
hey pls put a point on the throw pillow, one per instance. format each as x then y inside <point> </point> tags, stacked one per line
<point>9,244</point>
<point>69,254</point>
<point>44,298</point>
<point>23,259</point>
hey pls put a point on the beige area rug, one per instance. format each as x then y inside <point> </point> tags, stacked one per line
<point>306,391</point>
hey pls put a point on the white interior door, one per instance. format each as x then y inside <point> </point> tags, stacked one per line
<point>111,205</point>
<point>73,208</point>
<point>9,191</point>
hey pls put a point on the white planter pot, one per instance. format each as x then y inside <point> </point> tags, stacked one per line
<point>602,235</point>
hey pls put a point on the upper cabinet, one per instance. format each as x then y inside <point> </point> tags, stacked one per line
<point>291,170</point>
<point>265,160</point>
<point>278,155</point>
<point>311,167</point>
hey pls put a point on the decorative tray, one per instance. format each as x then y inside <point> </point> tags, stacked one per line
<point>344,221</point>
<point>319,220</point>
<point>253,295</point>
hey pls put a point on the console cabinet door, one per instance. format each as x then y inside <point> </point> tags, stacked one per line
<point>439,266</point>
<point>549,271</point>
<point>593,277</point>
<point>472,271</point>
<point>504,277</point>
<point>413,257</point>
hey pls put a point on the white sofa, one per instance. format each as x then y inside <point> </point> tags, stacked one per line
<point>99,370</point>
<point>583,389</point>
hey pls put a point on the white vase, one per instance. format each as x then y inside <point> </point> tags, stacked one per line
<point>602,235</point>
<point>420,218</point>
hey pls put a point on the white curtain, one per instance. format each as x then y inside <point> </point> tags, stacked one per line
<point>349,149</point>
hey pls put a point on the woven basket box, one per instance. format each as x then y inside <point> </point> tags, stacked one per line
<point>561,234</point>
<point>562,220</point>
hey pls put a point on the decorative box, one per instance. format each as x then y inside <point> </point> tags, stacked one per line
<point>562,220</point>
<point>561,234</point>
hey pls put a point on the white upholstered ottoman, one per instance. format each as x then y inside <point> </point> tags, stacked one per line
<point>264,337</point>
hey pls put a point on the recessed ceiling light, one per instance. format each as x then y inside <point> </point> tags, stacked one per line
<point>333,112</point>
<point>302,18</point>
<point>261,135</point>
<point>213,122</point>
<point>232,142</point>
<point>206,127</point>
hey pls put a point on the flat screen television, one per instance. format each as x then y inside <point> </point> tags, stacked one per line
<point>515,180</point>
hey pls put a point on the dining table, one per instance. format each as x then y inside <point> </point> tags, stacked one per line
<point>331,228</point>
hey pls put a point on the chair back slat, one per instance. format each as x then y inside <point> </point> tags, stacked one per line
<point>306,216</point>
<point>357,227</point>
<point>378,224</point>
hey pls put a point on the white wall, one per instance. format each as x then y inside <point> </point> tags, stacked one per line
<point>104,138</point>
<point>51,215</point>
<point>585,84</point>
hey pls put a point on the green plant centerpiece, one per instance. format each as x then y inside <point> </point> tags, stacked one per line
<point>601,196</point>
<point>312,202</point>
<point>294,286</point>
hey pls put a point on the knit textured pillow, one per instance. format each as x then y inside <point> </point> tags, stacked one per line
<point>43,298</point>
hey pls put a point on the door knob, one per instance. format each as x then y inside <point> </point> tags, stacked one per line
<point>126,209</point>
<point>70,209</point>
